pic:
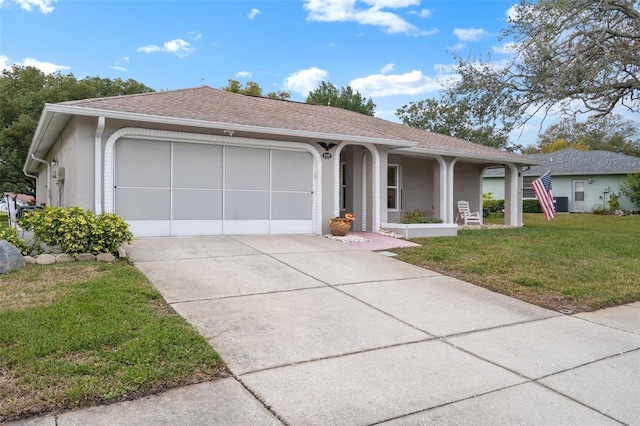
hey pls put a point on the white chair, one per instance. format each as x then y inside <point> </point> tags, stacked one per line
<point>464,213</point>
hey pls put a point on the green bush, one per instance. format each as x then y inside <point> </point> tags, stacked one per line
<point>531,206</point>
<point>417,216</point>
<point>489,203</point>
<point>77,231</point>
<point>631,188</point>
<point>11,235</point>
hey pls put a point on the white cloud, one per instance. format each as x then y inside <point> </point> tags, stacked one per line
<point>411,83</point>
<point>253,13</point>
<point>387,68</point>
<point>305,81</point>
<point>45,6</point>
<point>178,47</point>
<point>244,74</point>
<point>193,35</point>
<point>371,14</point>
<point>45,67</point>
<point>469,34</point>
<point>117,65</point>
<point>512,13</point>
<point>506,48</point>
<point>424,13</point>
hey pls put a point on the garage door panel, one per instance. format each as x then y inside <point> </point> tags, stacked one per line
<point>187,188</point>
<point>190,204</point>
<point>291,171</point>
<point>143,203</point>
<point>143,163</point>
<point>288,205</point>
<point>197,166</point>
<point>246,168</point>
<point>246,205</point>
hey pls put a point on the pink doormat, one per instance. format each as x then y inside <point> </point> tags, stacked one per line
<point>380,242</point>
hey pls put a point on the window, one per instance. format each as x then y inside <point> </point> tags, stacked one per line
<point>393,187</point>
<point>343,187</point>
<point>527,189</point>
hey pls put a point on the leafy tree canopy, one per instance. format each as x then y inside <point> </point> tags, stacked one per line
<point>631,188</point>
<point>252,88</point>
<point>569,56</point>
<point>23,93</point>
<point>611,133</point>
<point>345,98</point>
<point>453,119</point>
<point>554,146</point>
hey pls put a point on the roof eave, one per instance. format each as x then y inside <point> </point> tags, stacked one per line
<point>492,159</point>
<point>120,115</point>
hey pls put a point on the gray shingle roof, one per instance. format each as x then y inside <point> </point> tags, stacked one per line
<point>213,105</point>
<point>575,162</point>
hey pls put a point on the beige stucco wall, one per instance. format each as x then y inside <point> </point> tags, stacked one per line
<point>419,184</point>
<point>467,185</point>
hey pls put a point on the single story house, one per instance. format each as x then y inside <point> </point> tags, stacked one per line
<point>203,161</point>
<point>581,180</point>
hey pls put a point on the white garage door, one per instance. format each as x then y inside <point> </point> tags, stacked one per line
<point>177,188</point>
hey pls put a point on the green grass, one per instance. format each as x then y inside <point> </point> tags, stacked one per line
<point>581,262</point>
<point>4,219</point>
<point>77,334</point>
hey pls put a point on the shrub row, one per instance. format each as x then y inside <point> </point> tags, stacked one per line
<point>72,229</point>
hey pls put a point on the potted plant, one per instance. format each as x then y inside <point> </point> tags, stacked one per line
<point>341,225</point>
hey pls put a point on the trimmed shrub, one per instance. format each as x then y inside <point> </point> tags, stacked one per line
<point>531,206</point>
<point>77,231</point>
<point>417,216</point>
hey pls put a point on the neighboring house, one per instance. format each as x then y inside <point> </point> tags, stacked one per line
<point>16,200</point>
<point>581,180</point>
<point>204,161</point>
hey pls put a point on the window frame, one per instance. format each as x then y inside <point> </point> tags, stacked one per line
<point>395,187</point>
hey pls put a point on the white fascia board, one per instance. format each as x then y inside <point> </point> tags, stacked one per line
<point>119,115</point>
<point>492,159</point>
<point>43,124</point>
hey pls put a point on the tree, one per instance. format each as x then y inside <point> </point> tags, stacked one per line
<point>23,93</point>
<point>569,56</point>
<point>631,188</point>
<point>453,119</point>
<point>345,98</point>
<point>251,88</point>
<point>610,133</point>
<point>554,146</point>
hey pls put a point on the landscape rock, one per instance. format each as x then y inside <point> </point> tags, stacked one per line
<point>30,260</point>
<point>64,257</point>
<point>105,257</point>
<point>82,257</point>
<point>619,213</point>
<point>122,253</point>
<point>10,258</point>
<point>46,259</point>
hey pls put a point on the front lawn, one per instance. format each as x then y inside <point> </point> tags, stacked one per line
<point>78,334</point>
<point>580,262</point>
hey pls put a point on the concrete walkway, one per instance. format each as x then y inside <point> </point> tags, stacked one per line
<point>317,332</point>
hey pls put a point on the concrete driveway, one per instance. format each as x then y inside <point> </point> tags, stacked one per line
<point>317,332</point>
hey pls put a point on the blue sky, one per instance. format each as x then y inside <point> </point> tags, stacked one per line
<point>395,51</point>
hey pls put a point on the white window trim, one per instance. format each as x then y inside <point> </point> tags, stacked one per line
<point>397,186</point>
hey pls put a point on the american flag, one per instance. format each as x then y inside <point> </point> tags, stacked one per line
<point>542,189</point>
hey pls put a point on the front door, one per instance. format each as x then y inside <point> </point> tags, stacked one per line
<point>579,195</point>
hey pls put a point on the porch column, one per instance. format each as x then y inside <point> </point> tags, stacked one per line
<point>450,173</point>
<point>442,185</point>
<point>512,195</point>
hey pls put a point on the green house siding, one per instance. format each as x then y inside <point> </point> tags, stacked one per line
<point>595,189</point>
